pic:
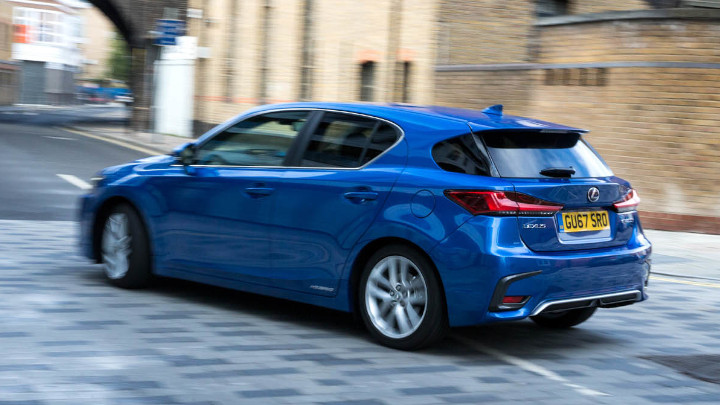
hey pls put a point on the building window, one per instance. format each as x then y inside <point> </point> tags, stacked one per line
<point>367,81</point>
<point>34,25</point>
<point>576,77</point>
<point>551,8</point>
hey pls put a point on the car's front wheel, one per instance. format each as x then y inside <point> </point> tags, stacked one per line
<point>400,299</point>
<point>125,250</point>
<point>564,319</point>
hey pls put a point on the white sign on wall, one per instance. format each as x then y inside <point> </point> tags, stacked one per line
<point>186,49</point>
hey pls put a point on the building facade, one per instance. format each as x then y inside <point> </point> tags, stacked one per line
<point>643,78</point>
<point>265,51</point>
<point>98,34</point>
<point>641,75</point>
<point>8,69</point>
<point>45,44</point>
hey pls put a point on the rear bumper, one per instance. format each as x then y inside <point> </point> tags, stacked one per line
<point>474,261</point>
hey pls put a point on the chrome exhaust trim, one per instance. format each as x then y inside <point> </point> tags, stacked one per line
<point>604,300</point>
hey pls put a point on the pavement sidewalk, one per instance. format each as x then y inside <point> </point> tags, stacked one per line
<point>676,254</point>
<point>685,254</point>
<point>156,143</point>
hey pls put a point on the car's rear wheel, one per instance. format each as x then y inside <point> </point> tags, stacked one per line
<point>564,319</point>
<point>400,300</point>
<point>125,250</point>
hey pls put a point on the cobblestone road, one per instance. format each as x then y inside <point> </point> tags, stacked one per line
<point>66,337</point>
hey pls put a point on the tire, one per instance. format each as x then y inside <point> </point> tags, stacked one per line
<point>125,250</point>
<point>565,319</point>
<point>410,314</point>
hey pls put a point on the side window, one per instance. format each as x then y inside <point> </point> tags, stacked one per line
<point>461,155</point>
<point>344,140</point>
<point>262,140</point>
<point>383,138</point>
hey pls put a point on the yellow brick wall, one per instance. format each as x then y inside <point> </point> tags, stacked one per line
<point>343,31</point>
<point>99,33</point>
<point>656,127</point>
<point>491,31</point>
<point>478,90</point>
<point>6,30</point>
<point>590,6</point>
<point>637,40</point>
<point>484,31</point>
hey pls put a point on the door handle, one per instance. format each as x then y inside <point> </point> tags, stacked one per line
<point>258,192</point>
<point>360,197</point>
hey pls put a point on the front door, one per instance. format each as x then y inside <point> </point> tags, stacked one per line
<point>219,210</point>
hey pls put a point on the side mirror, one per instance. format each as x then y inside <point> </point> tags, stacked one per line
<point>185,154</point>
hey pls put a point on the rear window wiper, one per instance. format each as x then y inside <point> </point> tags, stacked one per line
<point>558,172</point>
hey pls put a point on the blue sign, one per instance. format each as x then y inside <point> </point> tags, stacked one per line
<point>168,31</point>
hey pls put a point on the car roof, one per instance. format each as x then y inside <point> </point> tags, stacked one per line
<point>489,119</point>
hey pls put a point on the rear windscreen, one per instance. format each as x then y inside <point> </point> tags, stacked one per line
<point>525,154</point>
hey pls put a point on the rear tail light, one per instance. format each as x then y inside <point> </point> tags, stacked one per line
<point>628,203</point>
<point>502,203</point>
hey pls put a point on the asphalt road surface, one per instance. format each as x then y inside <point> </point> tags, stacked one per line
<point>34,156</point>
<point>67,337</point>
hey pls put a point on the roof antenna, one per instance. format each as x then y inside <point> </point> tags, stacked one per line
<point>493,110</point>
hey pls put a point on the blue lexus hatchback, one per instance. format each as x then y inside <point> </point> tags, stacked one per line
<point>416,218</point>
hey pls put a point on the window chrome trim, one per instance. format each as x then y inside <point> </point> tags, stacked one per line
<point>310,109</point>
<point>541,307</point>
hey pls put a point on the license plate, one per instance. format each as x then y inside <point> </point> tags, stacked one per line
<point>581,221</point>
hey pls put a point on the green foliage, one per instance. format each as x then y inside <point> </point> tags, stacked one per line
<point>119,60</point>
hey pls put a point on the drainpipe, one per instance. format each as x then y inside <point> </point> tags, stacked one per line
<point>264,45</point>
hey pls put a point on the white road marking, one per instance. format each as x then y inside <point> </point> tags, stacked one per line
<point>75,181</point>
<point>681,281</point>
<point>529,366</point>
<point>62,138</point>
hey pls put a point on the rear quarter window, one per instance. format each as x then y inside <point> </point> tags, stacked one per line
<point>461,155</point>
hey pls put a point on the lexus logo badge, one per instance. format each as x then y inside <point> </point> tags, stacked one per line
<point>593,194</point>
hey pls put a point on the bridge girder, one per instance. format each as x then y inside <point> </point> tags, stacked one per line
<point>135,20</point>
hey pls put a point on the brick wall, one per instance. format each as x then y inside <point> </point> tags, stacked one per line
<point>344,33</point>
<point>590,6</point>
<point>483,31</point>
<point>656,127</point>
<point>478,90</point>
<point>644,90</point>
<point>659,127</point>
<point>632,40</point>
<point>6,30</point>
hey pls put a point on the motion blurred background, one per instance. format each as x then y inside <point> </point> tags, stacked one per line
<point>641,75</point>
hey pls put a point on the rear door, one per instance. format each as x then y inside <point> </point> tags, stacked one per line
<point>572,175</point>
<point>332,196</point>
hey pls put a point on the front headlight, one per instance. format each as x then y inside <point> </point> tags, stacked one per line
<point>97,180</point>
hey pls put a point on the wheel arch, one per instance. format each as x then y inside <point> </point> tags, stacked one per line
<point>368,250</point>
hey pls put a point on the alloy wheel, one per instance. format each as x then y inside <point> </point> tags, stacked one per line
<point>396,297</point>
<point>116,246</point>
